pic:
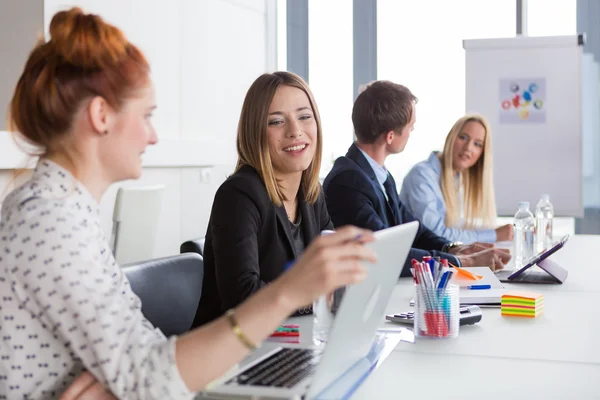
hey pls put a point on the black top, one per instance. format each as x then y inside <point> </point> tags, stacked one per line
<point>297,234</point>
<point>355,197</point>
<point>249,241</point>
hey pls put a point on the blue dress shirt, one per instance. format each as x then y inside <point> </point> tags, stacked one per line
<point>381,173</point>
<point>422,194</point>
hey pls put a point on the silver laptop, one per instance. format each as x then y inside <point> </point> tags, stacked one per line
<point>305,372</point>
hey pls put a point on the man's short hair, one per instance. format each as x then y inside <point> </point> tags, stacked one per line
<point>381,106</point>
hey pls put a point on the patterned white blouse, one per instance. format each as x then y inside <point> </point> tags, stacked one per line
<point>66,304</point>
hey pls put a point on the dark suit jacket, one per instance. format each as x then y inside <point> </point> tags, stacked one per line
<point>249,242</point>
<point>354,196</point>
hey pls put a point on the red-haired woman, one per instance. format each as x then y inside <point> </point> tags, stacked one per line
<point>85,98</point>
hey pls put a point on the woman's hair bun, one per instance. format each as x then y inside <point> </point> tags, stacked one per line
<point>86,40</point>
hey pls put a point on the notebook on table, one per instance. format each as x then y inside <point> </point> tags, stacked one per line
<point>484,298</point>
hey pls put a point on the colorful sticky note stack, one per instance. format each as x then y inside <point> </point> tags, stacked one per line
<point>522,304</point>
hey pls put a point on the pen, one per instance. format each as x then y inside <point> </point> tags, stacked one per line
<point>431,264</point>
<point>288,265</point>
<point>282,329</point>
<point>285,334</point>
<point>479,287</point>
<point>444,280</point>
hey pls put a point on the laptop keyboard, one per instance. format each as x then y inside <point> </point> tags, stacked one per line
<point>283,369</point>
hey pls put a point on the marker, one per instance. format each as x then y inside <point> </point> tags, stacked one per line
<point>283,329</point>
<point>285,334</point>
<point>288,265</point>
<point>478,287</point>
<point>444,280</point>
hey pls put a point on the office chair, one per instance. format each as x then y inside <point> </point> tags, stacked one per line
<point>170,290</point>
<point>193,246</point>
<point>135,223</point>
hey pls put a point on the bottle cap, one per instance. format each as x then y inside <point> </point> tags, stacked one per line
<point>523,204</point>
<point>546,197</point>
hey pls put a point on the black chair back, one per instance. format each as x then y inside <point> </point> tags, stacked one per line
<point>169,289</point>
<point>193,246</point>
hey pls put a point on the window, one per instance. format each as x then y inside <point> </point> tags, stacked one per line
<point>420,46</point>
<point>551,17</point>
<point>281,6</point>
<point>330,75</point>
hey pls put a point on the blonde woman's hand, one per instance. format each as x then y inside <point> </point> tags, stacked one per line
<point>494,258</point>
<point>86,387</point>
<point>330,261</point>
<point>504,233</point>
<point>473,248</point>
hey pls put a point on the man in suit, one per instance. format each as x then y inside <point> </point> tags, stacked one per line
<point>360,191</point>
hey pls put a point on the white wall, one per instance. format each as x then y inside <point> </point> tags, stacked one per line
<point>204,56</point>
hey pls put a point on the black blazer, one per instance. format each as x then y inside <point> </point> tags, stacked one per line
<point>249,242</point>
<point>354,196</point>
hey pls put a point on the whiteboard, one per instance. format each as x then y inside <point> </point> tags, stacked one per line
<point>537,149</point>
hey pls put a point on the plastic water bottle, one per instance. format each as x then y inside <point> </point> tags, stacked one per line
<point>524,225</point>
<point>544,214</point>
<point>324,311</point>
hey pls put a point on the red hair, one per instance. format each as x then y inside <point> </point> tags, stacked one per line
<point>85,57</point>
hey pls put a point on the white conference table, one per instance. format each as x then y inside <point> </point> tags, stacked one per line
<point>554,356</point>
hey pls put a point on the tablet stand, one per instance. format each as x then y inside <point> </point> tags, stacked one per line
<point>554,269</point>
<point>548,265</point>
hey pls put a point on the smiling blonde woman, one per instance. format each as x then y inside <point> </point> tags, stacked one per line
<point>272,207</point>
<point>452,192</point>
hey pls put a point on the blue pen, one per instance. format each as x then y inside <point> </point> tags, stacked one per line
<point>431,263</point>
<point>479,287</point>
<point>444,280</point>
<point>288,265</point>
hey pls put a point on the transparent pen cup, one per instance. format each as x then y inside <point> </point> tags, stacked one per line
<point>437,312</point>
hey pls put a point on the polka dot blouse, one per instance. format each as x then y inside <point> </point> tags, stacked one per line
<point>66,305</point>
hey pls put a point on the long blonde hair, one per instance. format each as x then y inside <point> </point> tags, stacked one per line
<point>252,145</point>
<point>479,198</point>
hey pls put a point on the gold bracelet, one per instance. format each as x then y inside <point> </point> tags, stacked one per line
<point>238,331</point>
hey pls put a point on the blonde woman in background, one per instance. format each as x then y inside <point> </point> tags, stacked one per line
<point>452,192</point>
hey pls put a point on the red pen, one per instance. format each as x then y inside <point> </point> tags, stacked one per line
<point>285,334</point>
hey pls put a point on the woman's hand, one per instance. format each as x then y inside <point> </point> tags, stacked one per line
<point>494,258</point>
<point>467,249</point>
<point>86,387</point>
<point>504,233</point>
<point>329,262</point>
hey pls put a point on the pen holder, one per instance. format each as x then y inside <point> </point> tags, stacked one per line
<point>437,312</point>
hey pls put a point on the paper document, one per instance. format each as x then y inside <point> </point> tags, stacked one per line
<point>480,297</point>
<point>488,278</point>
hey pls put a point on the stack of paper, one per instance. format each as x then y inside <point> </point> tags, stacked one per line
<point>488,297</point>
<point>522,304</point>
